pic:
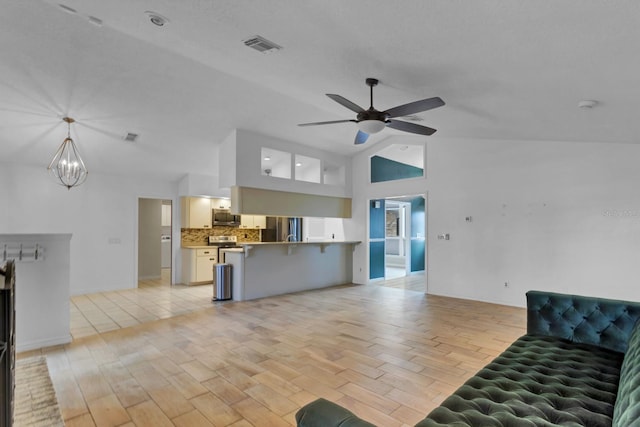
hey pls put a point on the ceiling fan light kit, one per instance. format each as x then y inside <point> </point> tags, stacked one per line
<point>67,166</point>
<point>371,126</point>
<point>372,121</point>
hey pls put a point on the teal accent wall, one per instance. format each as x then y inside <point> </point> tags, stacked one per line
<point>418,245</point>
<point>417,217</point>
<point>376,231</point>
<point>377,220</point>
<point>376,260</point>
<point>389,170</point>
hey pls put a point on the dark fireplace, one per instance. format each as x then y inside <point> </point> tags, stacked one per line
<point>7,342</point>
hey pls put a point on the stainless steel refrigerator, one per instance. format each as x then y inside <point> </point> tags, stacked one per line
<point>282,229</point>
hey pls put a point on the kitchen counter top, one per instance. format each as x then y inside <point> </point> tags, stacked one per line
<point>321,242</point>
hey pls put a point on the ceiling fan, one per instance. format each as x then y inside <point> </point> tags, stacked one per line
<point>373,121</point>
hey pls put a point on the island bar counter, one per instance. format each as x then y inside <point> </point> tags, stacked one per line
<point>272,268</point>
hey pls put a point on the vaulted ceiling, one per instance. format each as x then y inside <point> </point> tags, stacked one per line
<point>511,69</point>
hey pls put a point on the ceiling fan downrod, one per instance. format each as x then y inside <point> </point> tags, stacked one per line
<point>371,82</point>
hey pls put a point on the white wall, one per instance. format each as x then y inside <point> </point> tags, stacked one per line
<point>101,215</point>
<point>201,185</point>
<point>321,229</point>
<point>357,228</point>
<point>546,215</point>
<point>246,151</point>
<point>227,161</point>
<point>42,290</point>
<point>556,216</point>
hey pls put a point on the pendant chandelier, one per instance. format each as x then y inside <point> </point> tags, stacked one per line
<point>67,166</point>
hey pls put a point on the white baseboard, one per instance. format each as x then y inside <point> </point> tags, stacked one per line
<point>37,344</point>
<point>149,277</point>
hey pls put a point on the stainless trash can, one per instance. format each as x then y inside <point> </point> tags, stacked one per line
<point>221,282</point>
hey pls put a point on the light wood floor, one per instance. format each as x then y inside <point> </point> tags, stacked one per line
<point>390,355</point>
<point>412,282</point>
<point>156,299</point>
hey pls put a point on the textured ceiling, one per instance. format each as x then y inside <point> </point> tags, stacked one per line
<point>506,69</point>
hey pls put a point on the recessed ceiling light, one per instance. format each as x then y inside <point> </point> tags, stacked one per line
<point>267,158</point>
<point>298,164</point>
<point>156,18</point>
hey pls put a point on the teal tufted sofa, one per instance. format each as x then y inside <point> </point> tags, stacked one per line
<point>578,365</point>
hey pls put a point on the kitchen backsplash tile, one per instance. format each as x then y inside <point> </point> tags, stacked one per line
<point>200,236</point>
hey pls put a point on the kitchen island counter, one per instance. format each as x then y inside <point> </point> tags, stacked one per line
<point>263,269</point>
<point>318,242</point>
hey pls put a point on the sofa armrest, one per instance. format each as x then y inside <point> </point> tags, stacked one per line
<point>323,413</point>
<point>626,412</point>
<point>602,322</point>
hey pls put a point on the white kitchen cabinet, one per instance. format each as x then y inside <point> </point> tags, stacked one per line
<point>246,221</point>
<point>166,215</point>
<point>259,221</point>
<point>204,265</point>
<point>196,212</point>
<point>197,265</point>
<point>221,203</point>
<point>253,221</point>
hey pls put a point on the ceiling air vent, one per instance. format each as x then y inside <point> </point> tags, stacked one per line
<point>131,137</point>
<point>261,44</point>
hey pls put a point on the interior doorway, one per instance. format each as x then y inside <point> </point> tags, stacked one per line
<point>397,242</point>
<point>397,251</point>
<point>155,253</point>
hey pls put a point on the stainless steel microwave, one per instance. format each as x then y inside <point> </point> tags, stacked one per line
<point>225,217</point>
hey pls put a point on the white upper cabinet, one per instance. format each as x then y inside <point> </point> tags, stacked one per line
<point>259,221</point>
<point>253,221</point>
<point>221,203</point>
<point>166,215</point>
<point>196,212</point>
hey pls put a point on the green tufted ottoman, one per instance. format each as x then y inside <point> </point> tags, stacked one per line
<point>578,365</point>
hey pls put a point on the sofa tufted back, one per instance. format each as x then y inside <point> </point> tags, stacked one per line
<point>598,321</point>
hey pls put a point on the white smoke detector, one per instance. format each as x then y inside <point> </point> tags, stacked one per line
<point>587,103</point>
